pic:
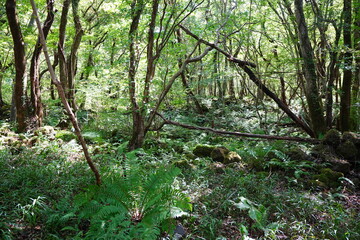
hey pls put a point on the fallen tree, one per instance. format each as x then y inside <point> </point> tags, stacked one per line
<point>239,134</point>
<point>245,66</point>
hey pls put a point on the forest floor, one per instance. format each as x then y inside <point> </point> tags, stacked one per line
<point>238,188</point>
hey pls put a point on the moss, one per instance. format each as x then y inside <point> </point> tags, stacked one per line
<point>347,150</point>
<point>219,154</point>
<point>203,150</point>
<point>329,177</point>
<point>65,135</point>
<point>232,157</point>
<point>322,151</point>
<point>332,137</point>
<point>92,137</point>
<point>183,164</point>
<point>296,154</point>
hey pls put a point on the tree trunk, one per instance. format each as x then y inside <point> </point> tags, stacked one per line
<point>345,99</point>
<point>138,132</point>
<point>61,46</point>
<point>72,58</point>
<point>309,69</point>
<point>35,92</point>
<point>20,65</point>
<point>64,100</point>
<point>355,110</point>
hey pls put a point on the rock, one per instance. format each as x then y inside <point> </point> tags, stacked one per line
<point>217,167</point>
<point>322,151</point>
<point>203,150</point>
<point>183,164</point>
<point>92,137</point>
<point>297,154</point>
<point>65,135</point>
<point>329,177</point>
<point>48,131</point>
<point>219,154</point>
<point>232,157</point>
<point>339,165</point>
<point>347,150</point>
<point>332,138</point>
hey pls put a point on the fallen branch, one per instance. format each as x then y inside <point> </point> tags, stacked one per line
<point>239,134</point>
<point>244,65</point>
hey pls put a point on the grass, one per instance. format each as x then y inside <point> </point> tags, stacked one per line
<point>264,198</point>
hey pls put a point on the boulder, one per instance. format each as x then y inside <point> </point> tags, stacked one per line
<point>48,131</point>
<point>332,138</point>
<point>203,150</point>
<point>328,177</point>
<point>232,157</point>
<point>339,165</point>
<point>347,150</point>
<point>65,135</point>
<point>297,154</point>
<point>219,154</point>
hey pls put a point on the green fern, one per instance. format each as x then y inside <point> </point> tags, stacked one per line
<point>136,205</point>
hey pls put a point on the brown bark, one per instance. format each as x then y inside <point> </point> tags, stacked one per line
<point>309,69</point>
<point>61,46</point>
<point>64,99</point>
<point>72,58</point>
<point>332,73</point>
<point>138,133</point>
<point>185,83</point>
<point>239,134</point>
<point>345,98</point>
<point>355,109</point>
<point>20,65</point>
<point>35,91</point>
<point>244,65</point>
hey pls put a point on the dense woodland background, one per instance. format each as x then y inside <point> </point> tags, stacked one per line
<point>228,119</point>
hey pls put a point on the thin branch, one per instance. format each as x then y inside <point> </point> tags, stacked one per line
<point>239,134</point>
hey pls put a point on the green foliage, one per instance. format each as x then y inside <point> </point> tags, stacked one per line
<point>139,204</point>
<point>259,214</point>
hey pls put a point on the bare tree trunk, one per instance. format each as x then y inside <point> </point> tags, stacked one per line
<point>61,46</point>
<point>20,65</point>
<point>345,99</point>
<point>64,100</point>
<point>72,58</point>
<point>355,110</point>
<point>309,69</point>
<point>138,133</point>
<point>35,93</point>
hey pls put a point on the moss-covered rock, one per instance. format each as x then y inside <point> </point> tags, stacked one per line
<point>332,138</point>
<point>92,137</point>
<point>297,154</point>
<point>48,131</point>
<point>183,164</point>
<point>65,135</point>
<point>329,177</point>
<point>347,150</point>
<point>219,154</point>
<point>217,167</point>
<point>232,157</point>
<point>203,150</point>
<point>322,151</point>
<point>340,165</point>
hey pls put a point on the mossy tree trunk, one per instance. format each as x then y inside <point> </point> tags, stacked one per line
<point>309,69</point>
<point>20,65</point>
<point>345,99</point>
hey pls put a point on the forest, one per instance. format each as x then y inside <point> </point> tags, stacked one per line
<point>180,119</point>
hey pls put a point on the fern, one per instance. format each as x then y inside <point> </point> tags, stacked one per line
<point>136,205</point>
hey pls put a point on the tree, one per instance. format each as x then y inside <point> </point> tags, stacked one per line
<point>20,64</point>
<point>309,69</point>
<point>347,77</point>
